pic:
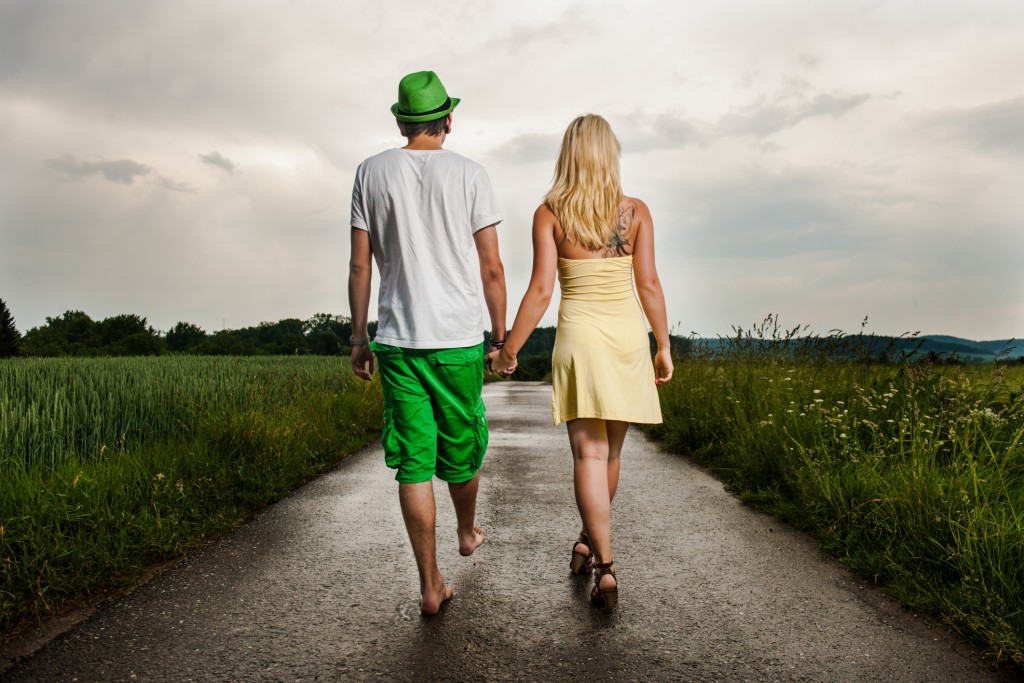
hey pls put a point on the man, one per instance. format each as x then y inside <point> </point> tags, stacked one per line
<point>419,211</point>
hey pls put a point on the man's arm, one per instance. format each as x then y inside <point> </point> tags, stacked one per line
<point>360,275</point>
<point>492,274</point>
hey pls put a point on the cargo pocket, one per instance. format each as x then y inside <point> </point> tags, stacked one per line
<point>481,434</point>
<point>392,453</point>
<point>461,371</point>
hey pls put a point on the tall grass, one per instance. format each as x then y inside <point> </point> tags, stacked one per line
<point>110,465</point>
<point>53,407</point>
<point>912,475</point>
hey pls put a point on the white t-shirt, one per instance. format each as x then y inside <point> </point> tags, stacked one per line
<point>421,208</point>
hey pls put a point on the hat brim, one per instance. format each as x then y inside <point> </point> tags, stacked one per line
<point>419,118</point>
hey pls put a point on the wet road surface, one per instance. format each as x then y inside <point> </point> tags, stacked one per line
<point>322,587</point>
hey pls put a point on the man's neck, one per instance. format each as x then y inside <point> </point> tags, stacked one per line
<point>425,141</point>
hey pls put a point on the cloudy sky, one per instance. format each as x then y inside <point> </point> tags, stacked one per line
<point>821,161</point>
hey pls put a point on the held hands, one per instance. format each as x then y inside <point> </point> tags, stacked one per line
<point>363,362</point>
<point>662,367</point>
<point>502,362</point>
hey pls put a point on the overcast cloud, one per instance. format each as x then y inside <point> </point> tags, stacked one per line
<point>193,160</point>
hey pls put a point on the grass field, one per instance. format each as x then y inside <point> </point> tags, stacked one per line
<point>912,475</point>
<point>110,465</point>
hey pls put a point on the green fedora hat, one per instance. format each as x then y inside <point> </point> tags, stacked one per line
<point>422,97</point>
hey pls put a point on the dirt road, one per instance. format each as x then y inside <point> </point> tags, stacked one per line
<point>322,587</point>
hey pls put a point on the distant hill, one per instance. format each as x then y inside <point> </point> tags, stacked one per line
<point>933,347</point>
<point>1011,348</point>
<point>936,346</point>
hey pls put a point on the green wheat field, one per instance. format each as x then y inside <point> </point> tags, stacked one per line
<point>110,465</point>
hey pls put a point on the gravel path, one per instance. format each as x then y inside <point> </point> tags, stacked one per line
<point>322,587</point>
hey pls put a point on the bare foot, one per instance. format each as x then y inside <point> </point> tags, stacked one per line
<point>472,541</point>
<point>431,603</point>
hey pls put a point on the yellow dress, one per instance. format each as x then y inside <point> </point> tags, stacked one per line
<point>601,365</point>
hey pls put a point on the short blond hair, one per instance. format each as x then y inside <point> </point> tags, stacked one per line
<point>585,193</point>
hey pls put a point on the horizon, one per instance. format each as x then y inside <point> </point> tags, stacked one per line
<point>916,334</point>
<point>194,162</point>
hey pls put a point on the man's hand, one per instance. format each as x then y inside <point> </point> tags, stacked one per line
<point>360,270</point>
<point>363,362</point>
<point>501,362</point>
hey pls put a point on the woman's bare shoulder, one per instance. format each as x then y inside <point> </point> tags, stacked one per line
<point>544,216</point>
<point>544,211</point>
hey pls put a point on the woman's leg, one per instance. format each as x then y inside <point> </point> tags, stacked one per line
<point>588,439</point>
<point>616,436</point>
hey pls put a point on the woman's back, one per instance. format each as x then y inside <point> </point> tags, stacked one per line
<point>620,243</point>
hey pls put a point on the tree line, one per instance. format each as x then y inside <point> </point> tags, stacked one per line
<point>75,333</point>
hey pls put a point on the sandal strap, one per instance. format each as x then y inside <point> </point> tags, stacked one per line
<point>602,569</point>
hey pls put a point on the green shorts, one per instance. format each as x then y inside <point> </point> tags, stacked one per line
<point>434,420</point>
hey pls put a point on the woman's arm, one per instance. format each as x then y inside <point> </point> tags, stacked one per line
<point>648,288</point>
<point>538,293</point>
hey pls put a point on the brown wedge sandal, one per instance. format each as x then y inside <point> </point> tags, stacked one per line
<point>605,597</point>
<point>581,563</point>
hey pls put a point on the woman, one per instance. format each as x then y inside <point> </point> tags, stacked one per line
<point>598,241</point>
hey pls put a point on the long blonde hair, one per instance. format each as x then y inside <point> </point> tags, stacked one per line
<point>586,193</point>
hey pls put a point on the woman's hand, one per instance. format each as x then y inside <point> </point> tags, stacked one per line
<point>502,362</point>
<point>663,366</point>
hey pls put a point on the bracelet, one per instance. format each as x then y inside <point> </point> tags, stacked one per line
<point>358,341</point>
<point>497,344</point>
